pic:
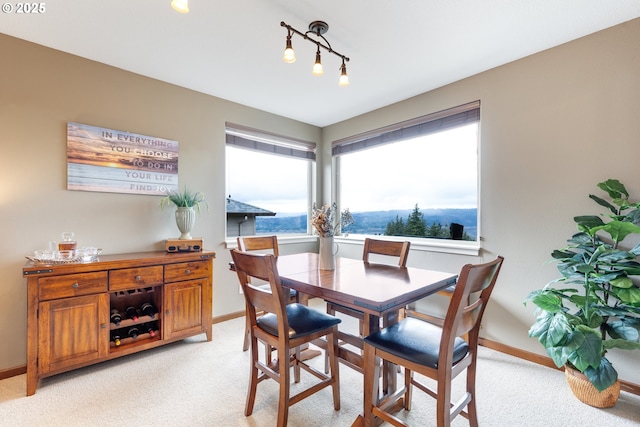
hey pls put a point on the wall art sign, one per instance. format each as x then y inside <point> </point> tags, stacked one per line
<point>113,161</point>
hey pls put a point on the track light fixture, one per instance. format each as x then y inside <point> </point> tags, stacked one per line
<point>317,29</point>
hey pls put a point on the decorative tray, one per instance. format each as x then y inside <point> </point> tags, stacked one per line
<point>77,259</point>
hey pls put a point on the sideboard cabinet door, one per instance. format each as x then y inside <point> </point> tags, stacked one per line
<point>73,331</point>
<point>184,308</point>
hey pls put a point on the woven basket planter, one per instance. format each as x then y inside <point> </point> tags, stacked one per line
<point>587,393</point>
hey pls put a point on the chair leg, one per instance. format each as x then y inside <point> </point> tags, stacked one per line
<point>408,394</point>
<point>332,350</point>
<point>443,403</point>
<point>296,365</point>
<point>247,333</point>
<point>253,378</point>
<point>472,412</point>
<point>332,312</point>
<point>285,378</point>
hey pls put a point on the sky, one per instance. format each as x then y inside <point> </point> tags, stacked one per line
<point>440,172</point>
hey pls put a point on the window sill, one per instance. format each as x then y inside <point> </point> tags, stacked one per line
<point>232,243</point>
<point>458,247</point>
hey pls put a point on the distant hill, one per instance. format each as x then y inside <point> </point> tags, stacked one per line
<point>373,222</point>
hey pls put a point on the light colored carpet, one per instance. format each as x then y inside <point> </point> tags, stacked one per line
<point>199,383</point>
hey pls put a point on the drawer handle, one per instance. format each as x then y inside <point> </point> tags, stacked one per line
<point>103,325</point>
<point>168,312</point>
<point>187,271</point>
<point>75,285</point>
<point>138,278</point>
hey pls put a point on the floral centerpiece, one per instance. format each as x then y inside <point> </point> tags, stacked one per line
<point>322,219</point>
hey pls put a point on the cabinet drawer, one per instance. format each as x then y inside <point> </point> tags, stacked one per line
<point>129,278</point>
<point>71,285</point>
<point>186,271</point>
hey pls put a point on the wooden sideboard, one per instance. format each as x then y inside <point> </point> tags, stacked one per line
<point>69,308</point>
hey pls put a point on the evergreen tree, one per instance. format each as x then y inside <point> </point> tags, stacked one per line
<point>416,225</point>
<point>395,228</point>
<point>437,230</point>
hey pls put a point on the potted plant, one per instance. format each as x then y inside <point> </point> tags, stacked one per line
<point>187,202</point>
<point>600,308</point>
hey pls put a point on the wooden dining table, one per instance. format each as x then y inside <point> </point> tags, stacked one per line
<point>375,292</point>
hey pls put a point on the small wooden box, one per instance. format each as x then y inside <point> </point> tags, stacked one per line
<point>177,245</point>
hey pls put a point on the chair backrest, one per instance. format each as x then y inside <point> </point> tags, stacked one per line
<point>259,243</point>
<point>468,302</point>
<point>261,266</point>
<point>388,248</point>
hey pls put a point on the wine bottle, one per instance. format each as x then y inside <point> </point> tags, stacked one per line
<point>150,328</point>
<point>132,313</point>
<point>115,337</point>
<point>133,332</point>
<point>148,310</point>
<point>115,316</point>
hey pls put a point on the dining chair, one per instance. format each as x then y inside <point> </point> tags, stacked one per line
<point>383,251</point>
<point>438,353</point>
<point>431,313</point>
<point>262,244</point>
<point>284,327</point>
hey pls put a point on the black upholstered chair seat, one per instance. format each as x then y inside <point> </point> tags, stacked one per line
<point>417,341</point>
<point>302,321</point>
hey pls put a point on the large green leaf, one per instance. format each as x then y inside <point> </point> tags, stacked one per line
<point>587,223</point>
<point>588,348</point>
<point>604,203</point>
<point>615,255</point>
<point>636,249</point>
<point>614,188</point>
<point>631,268</point>
<point>622,282</point>
<point>551,329</point>
<point>618,230</point>
<point>633,217</point>
<point>629,296</point>
<point>547,301</point>
<point>580,238</point>
<point>601,376</point>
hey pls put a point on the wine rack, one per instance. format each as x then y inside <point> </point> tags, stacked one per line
<point>135,298</point>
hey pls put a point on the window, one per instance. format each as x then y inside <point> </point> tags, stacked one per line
<point>417,178</point>
<point>268,180</point>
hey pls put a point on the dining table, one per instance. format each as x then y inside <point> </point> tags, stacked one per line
<point>374,292</point>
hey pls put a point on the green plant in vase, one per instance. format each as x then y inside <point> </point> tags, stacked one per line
<point>599,309</point>
<point>187,203</point>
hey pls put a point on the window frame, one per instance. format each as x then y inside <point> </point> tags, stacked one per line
<point>243,137</point>
<point>432,123</point>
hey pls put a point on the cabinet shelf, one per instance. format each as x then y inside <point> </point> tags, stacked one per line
<point>126,343</point>
<point>129,322</point>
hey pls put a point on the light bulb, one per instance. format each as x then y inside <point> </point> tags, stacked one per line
<point>317,67</point>
<point>181,6</point>
<point>289,55</point>
<point>344,79</point>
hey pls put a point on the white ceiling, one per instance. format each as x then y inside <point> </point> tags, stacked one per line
<point>232,49</point>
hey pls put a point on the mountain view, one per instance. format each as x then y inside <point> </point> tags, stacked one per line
<point>373,223</point>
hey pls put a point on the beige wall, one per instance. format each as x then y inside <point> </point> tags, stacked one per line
<point>553,126</point>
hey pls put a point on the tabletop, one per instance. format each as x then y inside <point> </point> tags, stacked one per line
<point>368,287</point>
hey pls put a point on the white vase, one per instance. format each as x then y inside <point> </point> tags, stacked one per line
<point>327,253</point>
<point>185,219</point>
